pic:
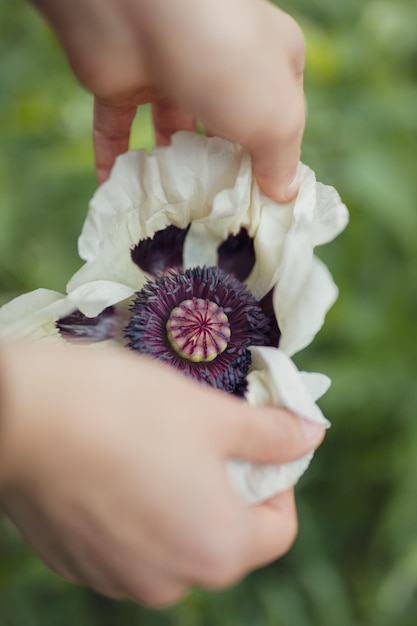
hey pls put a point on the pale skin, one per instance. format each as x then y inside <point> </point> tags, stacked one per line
<point>235,65</point>
<point>112,466</point>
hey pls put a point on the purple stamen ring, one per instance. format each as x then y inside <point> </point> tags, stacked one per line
<point>200,321</point>
<point>198,330</point>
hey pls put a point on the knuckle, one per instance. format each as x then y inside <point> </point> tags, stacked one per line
<point>101,74</point>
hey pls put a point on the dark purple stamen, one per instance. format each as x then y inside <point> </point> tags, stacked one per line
<point>78,327</point>
<point>236,255</point>
<point>153,306</point>
<point>161,252</point>
<point>267,307</point>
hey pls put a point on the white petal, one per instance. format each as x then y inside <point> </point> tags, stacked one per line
<point>119,195</point>
<point>275,381</point>
<point>33,315</point>
<point>92,298</point>
<point>331,215</point>
<point>195,179</point>
<point>275,222</point>
<point>301,306</point>
<point>306,199</point>
<point>317,212</point>
<point>316,383</point>
<point>283,381</point>
<point>113,261</point>
<point>257,483</point>
<point>230,209</point>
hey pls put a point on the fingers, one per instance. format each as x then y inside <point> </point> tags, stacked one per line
<point>155,589</point>
<point>168,118</point>
<point>276,147</point>
<point>152,588</point>
<point>268,435</point>
<point>274,528</point>
<point>260,535</point>
<point>275,160</point>
<point>112,125</point>
<point>111,132</point>
<point>260,102</point>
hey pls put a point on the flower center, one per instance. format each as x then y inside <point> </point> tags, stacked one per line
<point>198,330</point>
<point>200,321</point>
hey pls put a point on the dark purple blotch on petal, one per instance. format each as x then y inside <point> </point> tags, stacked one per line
<point>267,307</point>
<point>77,327</point>
<point>161,252</point>
<point>236,255</point>
<point>152,307</point>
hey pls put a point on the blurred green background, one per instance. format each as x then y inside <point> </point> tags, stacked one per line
<point>355,560</point>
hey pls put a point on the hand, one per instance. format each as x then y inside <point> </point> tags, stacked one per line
<point>236,65</point>
<point>115,472</point>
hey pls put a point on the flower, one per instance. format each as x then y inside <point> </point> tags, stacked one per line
<point>187,259</point>
<point>196,203</point>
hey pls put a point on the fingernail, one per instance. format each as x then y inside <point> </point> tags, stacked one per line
<point>312,431</point>
<point>292,189</point>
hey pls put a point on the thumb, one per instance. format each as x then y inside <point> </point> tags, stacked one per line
<point>269,435</point>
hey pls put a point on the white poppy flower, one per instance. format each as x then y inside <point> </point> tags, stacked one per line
<point>234,277</point>
<point>203,189</point>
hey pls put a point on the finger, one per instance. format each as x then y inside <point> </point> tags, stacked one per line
<point>276,146</point>
<point>275,157</point>
<point>273,529</point>
<point>111,132</point>
<point>155,590</point>
<point>268,435</point>
<point>141,571</point>
<point>168,118</point>
<point>261,534</point>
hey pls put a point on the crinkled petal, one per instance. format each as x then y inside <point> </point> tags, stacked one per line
<point>276,222</point>
<point>331,215</point>
<point>92,298</point>
<point>232,208</point>
<point>114,261</point>
<point>316,383</point>
<point>275,381</point>
<point>301,300</point>
<point>33,315</point>
<point>178,185</point>
<point>284,384</point>
<point>317,213</point>
<point>270,235</point>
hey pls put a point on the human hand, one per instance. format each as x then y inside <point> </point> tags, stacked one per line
<point>236,65</point>
<point>113,469</point>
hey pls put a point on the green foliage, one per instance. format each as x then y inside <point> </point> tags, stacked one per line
<point>355,561</point>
